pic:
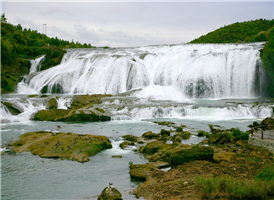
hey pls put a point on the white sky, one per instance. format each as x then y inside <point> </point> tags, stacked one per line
<point>131,23</point>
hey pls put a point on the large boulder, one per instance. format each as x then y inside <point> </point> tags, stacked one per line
<point>195,153</point>
<point>68,146</point>
<point>110,193</point>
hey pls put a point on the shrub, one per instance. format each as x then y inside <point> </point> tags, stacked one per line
<point>267,174</point>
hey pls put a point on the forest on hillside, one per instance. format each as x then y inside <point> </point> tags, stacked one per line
<point>19,45</point>
<point>250,31</point>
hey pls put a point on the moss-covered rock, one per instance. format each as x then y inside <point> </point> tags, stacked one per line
<point>153,147</point>
<point>142,171</point>
<point>220,138</point>
<point>149,135</point>
<point>80,101</point>
<point>52,104</point>
<point>13,110</point>
<point>125,144</point>
<point>68,115</point>
<point>165,132</point>
<point>68,146</point>
<point>131,138</point>
<point>195,153</point>
<point>110,193</point>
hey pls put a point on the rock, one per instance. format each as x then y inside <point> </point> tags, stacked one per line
<point>165,123</point>
<point>52,104</point>
<point>219,138</point>
<point>223,156</point>
<point>159,164</point>
<point>110,193</point>
<point>142,171</point>
<point>69,115</point>
<point>80,101</point>
<point>12,108</point>
<point>165,132</point>
<point>130,138</point>
<point>195,153</point>
<point>176,138</point>
<point>150,135</point>
<point>153,147</point>
<point>204,142</point>
<point>117,156</point>
<point>68,146</point>
<point>124,144</point>
<point>184,135</point>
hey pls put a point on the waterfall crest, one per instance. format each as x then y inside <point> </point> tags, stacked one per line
<point>192,70</point>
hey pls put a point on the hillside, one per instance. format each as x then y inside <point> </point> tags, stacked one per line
<point>19,45</point>
<point>250,31</point>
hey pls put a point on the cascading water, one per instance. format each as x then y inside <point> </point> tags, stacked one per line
<point>192,70</point>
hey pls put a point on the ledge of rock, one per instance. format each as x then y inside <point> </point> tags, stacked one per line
<point>69,115</point>
<point>68,146</point>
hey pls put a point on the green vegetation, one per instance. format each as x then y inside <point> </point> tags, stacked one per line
<point>231,188</point>
<point>267,174</point>
<point>224,136</point>
<point>19,45</point>
<point>268,62</point>
<point>250,31</point>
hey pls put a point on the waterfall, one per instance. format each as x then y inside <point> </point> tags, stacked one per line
<point>190,70</point>
<point>35,64</point>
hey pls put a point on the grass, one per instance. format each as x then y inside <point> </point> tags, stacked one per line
<point>232,188</point>
<point>267,174</point>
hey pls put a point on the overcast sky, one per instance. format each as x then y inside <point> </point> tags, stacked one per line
<point>132,23</point>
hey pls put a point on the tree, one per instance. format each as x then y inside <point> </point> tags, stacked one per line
<point>19,27</point>
<point>3,18</point>
<point>268,61</point>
